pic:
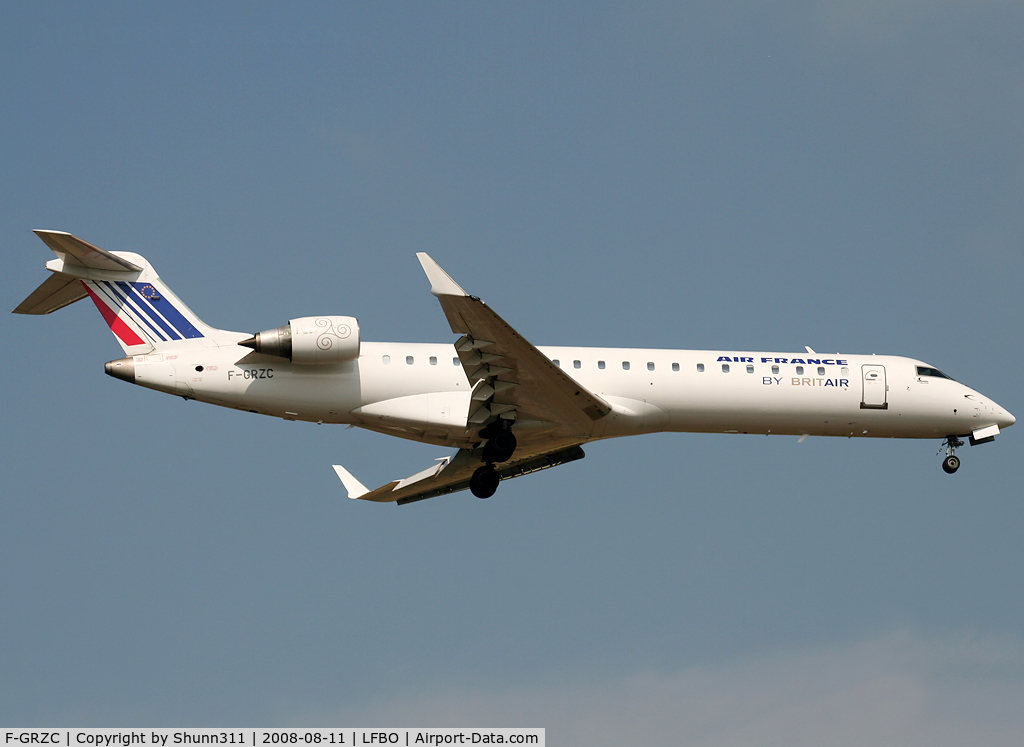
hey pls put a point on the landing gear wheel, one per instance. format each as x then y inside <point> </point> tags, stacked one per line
<point>484,481</point>
<point>952,462</point>
<point>500,446</point>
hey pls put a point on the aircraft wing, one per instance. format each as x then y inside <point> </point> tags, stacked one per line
<point>509,376</point>
<point>452,474</point>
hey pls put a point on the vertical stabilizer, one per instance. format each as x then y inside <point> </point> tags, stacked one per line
<point>141,311</point>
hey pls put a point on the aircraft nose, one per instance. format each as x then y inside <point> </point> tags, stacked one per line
<point>1001,415</point>
<point>992,412</point>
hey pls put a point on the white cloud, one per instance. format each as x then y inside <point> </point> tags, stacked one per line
<point>901,689</point>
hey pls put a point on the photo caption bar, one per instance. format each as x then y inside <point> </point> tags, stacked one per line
<point>267,737</point>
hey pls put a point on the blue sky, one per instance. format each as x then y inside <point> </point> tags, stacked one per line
<point>844,175</point>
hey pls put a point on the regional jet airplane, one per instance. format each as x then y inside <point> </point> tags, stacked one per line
<point>510,408</point>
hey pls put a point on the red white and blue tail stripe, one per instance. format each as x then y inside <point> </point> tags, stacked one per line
<point>142,314</point>
<point>138,313</point>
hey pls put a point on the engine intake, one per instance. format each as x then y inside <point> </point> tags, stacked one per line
<point>310,340</point>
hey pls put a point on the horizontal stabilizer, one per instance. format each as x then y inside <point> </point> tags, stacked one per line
<point>77,252</point>
<point>56,292</point>
<point>65,287</point>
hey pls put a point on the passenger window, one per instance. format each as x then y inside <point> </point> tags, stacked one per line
<point>625,365</point>
<point>456,361</point>
<point>799,370</point>
<point>700,368</point>
<point>846,371</point>
<point>821,370</point>
<point>675,366</point>
<point>750,369</point>
<point>576,364</point>
<point>408,360</point>
<point>725,368</point>
<point>600,364</point>
<point>433,360</point>
<point>557,362</point>
<point>775,369</point>
<point>650,366</point>
<point>385,359</point>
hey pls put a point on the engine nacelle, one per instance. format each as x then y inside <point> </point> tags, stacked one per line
<point>311,339</point>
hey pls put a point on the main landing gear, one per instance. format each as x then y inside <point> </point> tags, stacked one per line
<point>501,444</point>
<point>484,481</point>
<point>501,441</point>
<point>952,462</point>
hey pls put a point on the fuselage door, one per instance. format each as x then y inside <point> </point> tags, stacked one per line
<point>874,388</point>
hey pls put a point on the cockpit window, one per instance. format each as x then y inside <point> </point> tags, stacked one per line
<point>925,371</point>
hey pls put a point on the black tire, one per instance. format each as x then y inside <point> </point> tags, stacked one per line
<point>500,446</point>
<point>484,481</point>
<point>950,464</point>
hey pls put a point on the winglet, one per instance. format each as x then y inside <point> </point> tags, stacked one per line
<point>441,283</point>
<point>355,488</point>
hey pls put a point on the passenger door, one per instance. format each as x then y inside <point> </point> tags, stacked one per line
<point>874,388</point>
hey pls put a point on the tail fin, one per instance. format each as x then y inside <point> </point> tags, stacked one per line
<point>143,313</point>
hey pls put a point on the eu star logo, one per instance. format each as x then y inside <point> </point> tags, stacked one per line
<point>149,292</point>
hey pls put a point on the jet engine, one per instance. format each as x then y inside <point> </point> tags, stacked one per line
<point>311,339</point>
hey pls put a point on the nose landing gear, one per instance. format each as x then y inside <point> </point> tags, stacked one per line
<point>952,462</point>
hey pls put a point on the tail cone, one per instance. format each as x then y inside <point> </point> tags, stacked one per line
<point>276,342</point>
<point>123,369</point>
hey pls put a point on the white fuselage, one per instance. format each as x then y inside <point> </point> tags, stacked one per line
<point>511,408</point>
<point>420,391</point>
